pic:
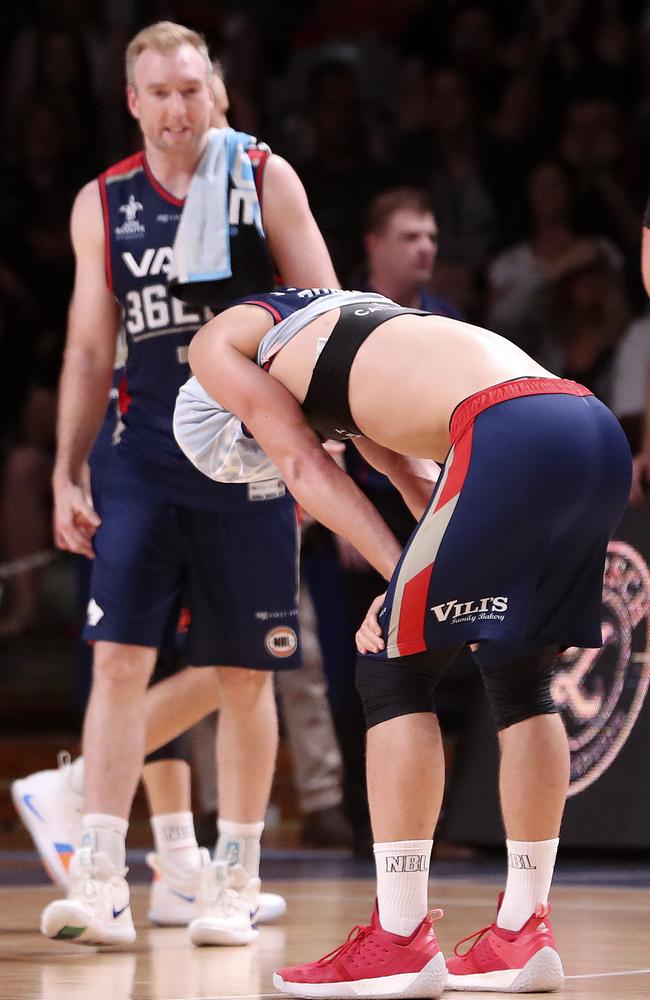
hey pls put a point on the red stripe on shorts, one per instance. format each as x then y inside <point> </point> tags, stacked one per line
<point>410,632</point>
<point>458,470</point>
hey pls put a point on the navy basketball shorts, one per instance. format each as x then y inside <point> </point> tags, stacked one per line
<point>512,545</point>
<point>236,571</point>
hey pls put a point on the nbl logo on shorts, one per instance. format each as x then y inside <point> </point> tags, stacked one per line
<point>281,641</point>
<point>600,692</point>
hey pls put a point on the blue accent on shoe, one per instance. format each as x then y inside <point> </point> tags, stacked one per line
<point>27,799</point>
<point>64,848</point>
<point>188,899</point>
<point>117,913</point>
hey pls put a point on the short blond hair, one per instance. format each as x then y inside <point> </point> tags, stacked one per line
<point>165,37</point>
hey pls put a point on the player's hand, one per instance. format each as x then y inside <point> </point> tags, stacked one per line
<point>640,478</point>
<point>75,519</point>
<point>369,637</point>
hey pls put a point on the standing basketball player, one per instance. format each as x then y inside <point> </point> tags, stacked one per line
<point>164,527</point>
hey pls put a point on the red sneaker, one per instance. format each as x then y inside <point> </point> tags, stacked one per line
<point>373,963</point>
<point>524,961</point>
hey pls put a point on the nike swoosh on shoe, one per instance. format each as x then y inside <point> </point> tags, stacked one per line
<point>27,799</point>
<point>188,899</point>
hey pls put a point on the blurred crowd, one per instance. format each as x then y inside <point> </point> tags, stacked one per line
<point>526,123</point>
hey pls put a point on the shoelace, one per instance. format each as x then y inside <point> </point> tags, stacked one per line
<point>87,884</point>
<point>355,937</point>
<point>358,934</point>
<point>478,935</point>
<point>541,911</point>
<point>219,892</point>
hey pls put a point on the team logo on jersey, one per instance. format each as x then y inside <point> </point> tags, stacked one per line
<point>130,227</point>
<point>281,641</point>
<point>600,692</point>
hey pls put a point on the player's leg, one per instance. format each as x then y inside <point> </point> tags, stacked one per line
<point>136,580</point>
<point>571,492</point>
<point>176,857</point>
<point>518,953</point>
<point>397,955</point>
<point>97,910</point>
<point>243,596</point>
<point>51,802</point>
<point>174,705</point>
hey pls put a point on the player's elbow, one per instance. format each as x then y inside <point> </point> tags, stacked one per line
<point>301,469</point>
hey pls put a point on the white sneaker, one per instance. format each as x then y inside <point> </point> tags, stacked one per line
<point>97,909</point>
<point>271,907</point>
<point>174,895</point>
<point>52,813</point>
<point>228,899</point>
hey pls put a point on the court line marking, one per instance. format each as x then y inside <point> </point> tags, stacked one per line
<point>605,975</point>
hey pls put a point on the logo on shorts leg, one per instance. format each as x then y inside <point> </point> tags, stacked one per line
<point>600,692</point>
<point>281,641</point>
<point>94,613</point>
<point>487,608</point>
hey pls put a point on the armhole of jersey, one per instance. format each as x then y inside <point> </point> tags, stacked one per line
<point>108,268</point>
<point>271,310</point>
<point>258,173</point>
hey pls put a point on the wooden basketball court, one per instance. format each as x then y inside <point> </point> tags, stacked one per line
<point>603,935</point>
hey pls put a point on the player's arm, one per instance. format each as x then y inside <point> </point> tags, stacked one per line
<point>276,421</point>
<point>93,322</point>
<point>415,478</point>
<point>294,239</point>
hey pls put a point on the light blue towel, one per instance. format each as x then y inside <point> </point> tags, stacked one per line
<point>202,245</point>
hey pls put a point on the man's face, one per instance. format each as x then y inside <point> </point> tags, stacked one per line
<point>407,246</point>
<point>171,99</point>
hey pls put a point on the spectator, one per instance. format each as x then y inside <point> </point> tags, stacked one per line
<point>341,173</point>
<point>473,178</point>
<point>521,276</point>
<point>588,318</point>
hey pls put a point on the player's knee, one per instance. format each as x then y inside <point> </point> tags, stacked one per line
<point>519,688</point>
<point>241,686</point>
<point>389,689</point>
<point>126,667</point>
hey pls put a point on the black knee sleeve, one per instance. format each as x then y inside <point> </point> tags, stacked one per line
<point>401,686</point>
<point>176,749</point>
<point>517,681</point>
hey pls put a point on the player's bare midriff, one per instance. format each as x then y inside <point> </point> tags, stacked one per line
<point>409,375</point>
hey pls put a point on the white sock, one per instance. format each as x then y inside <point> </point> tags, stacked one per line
<point>175,840</point>
<point>239,844</point>
<point>530,872</point>
<point>106,833</point>
<point>76,776</point>
<point>402,883</point>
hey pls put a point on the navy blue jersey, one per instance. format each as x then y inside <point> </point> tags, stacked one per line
<point>284,302</point>
<point>140,219</point>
